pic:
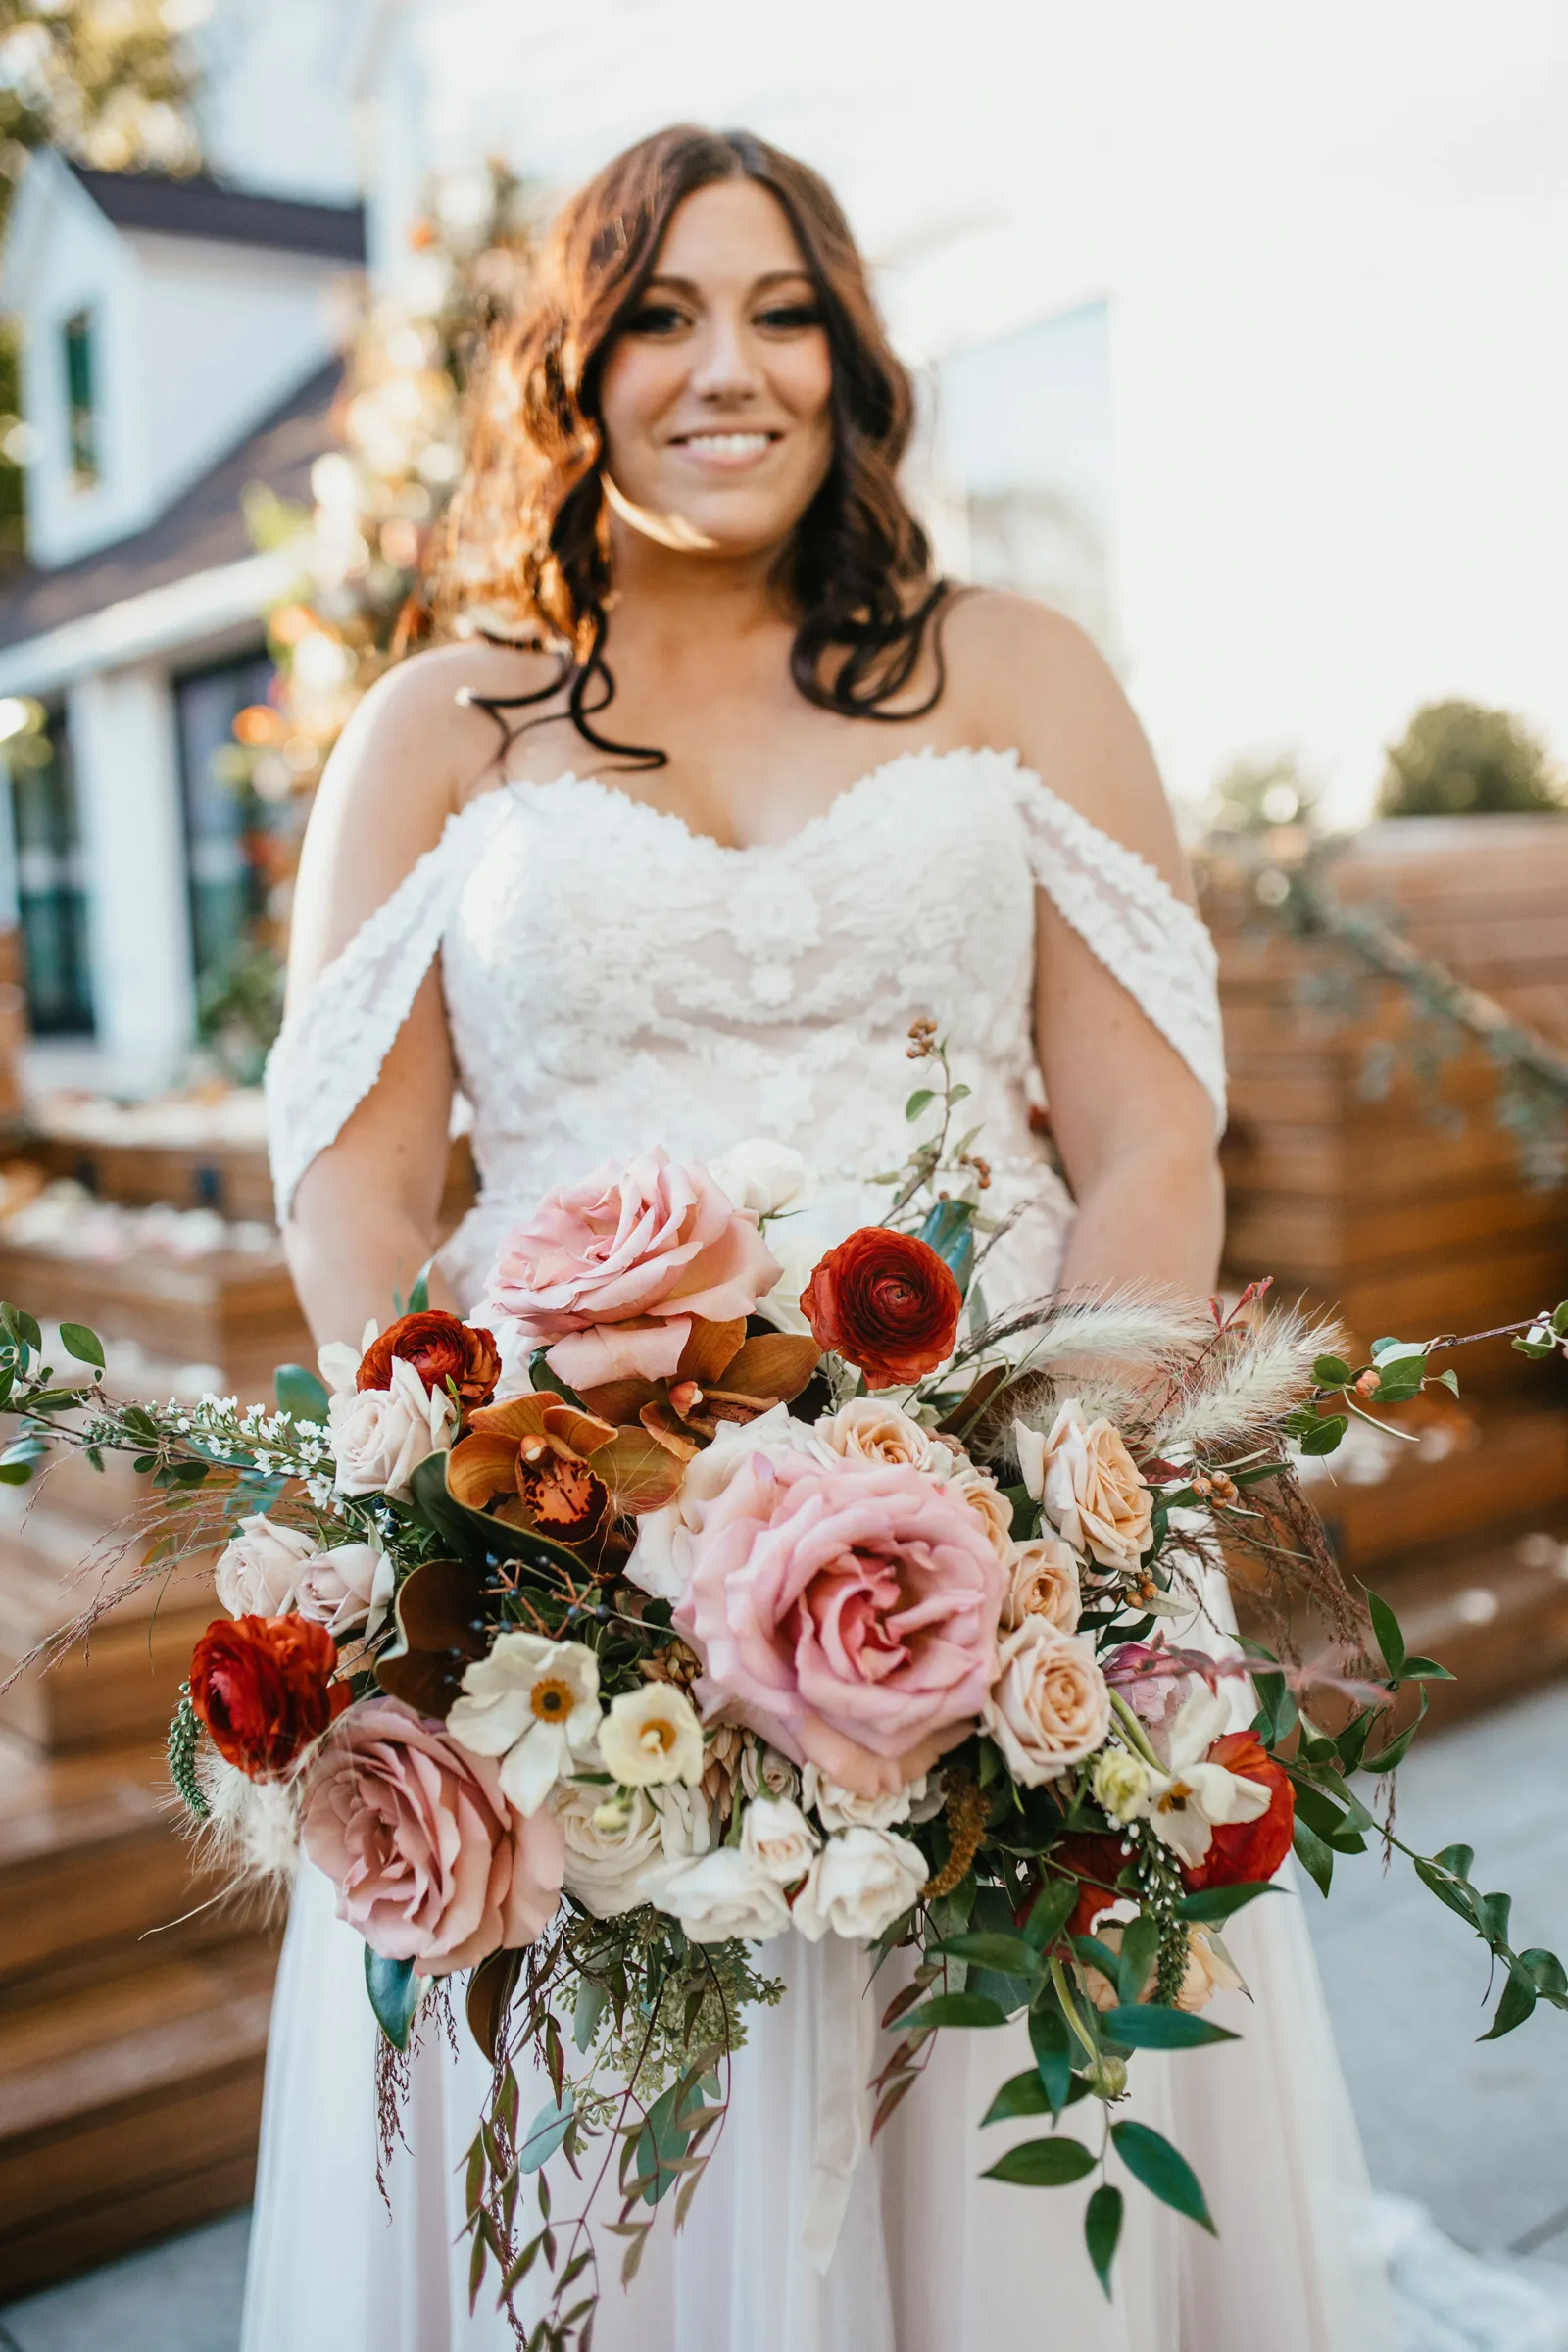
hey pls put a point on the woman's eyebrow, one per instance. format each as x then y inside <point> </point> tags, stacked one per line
<point>666,282</point>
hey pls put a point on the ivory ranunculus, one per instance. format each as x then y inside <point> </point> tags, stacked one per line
<point>868,1430</point>
<point>763,1177</point>
<point>847,1611</point>
<point>348,1589</point>
<point>651,1735</point>
<point>258,1570</point>
<point>725,1894</point>
<point>609,1272</point>
<point>779,1839</point>
<point>381,1436</point>
<point>430,1861</point>
<point>1044,1584</point>
<point>613,1865</point>
<point>860,1884</point>
<point>1050,1707</point>
<point>661,1561</point>
<point>1090,1485</point>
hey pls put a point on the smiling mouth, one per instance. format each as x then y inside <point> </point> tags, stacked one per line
<point>727,449</point>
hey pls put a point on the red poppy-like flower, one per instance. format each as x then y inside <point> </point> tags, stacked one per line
<point>1099,1858</point>
<point>443,1351</point>
<point>262,1685</point>
<point>1244,1850</point>
<point>884,1301</point>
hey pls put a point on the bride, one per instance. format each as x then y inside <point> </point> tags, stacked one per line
<point>746,792</point>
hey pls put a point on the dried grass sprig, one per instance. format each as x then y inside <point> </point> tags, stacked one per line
<point>1248,1375</point>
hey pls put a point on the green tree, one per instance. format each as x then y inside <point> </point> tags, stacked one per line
<point>1460,759</point>
<point>109,82</point>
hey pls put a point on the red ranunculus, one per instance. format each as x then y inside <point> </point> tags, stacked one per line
<point>884,1301</point>
<point>443,1351</point>
<point>261,1686</point>
<point>1244,1850</point>
<point>1099,1857</point>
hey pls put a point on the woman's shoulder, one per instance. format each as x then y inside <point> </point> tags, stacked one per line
<point>425,720</point>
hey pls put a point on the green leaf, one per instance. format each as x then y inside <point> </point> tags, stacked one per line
<point>1043,2164</point>
<point>663,2137</point>
<point>1519,1996</point>
<point>1448,1380</point>
<point>21,1325</point>
<point>84,1344</point>
<point>1139,1950</point>
<point>1460,1859</point>
<point>1315,1858</point>
<point>1400,1381</point>
<point>1049,1913</point>
<point>1145,2027</point>
<point>1546,1974</point>
<point>1164,2171</point>
<point>949,1230</point>
<point>1103,2230</point>
<point>1009,1956</point>
<point>1053,2049</point>
<point>300,1394</point>
<point>1324,1435</point>
<point>549,2125</point>
<point>1332,1372</point>
<point>1559,1319</point>
<point>1390,1640</point>
<point>15,1474</point>
<point>921,1099</point>
<point>1457,1895</point>
<point>1394,1751</point>
<point>955,2009</point>
<point>588,2010</point>
<point>395,1992</point>
<point>1426,1670</point>
<point>542,1376</point>
<point>1020,2094</point>
<point>1219,1902</point>
<point>420,1296</point>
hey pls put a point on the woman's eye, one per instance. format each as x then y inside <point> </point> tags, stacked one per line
<point>790,317</point>
<point>656,318</point>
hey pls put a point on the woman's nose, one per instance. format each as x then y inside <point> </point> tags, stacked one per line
<point>724,367</point>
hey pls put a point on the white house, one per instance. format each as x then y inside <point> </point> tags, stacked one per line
<point>180,344</point>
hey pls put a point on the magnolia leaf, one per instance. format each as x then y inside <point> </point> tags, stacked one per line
<point>299,1392</point>
<point>445,1618</point>
<point>395,1992</point>
<point>490,1987</point>
<point>777,1365</point>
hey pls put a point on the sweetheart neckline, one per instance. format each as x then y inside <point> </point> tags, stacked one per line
<point>927,754</point>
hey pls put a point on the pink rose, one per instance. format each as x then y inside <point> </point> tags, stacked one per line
<point>430,1862</point>
<point>614,1268</point>
<point>847,1611</point>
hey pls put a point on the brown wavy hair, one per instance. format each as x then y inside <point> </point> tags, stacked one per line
<point>526,539</point>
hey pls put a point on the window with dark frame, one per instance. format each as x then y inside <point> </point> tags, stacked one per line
<point>229,827</point>
<point>80,399</point>
<point>51,891</point>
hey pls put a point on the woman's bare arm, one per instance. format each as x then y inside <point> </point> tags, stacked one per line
<point>1133,1126</point>
<point>363,1217</point>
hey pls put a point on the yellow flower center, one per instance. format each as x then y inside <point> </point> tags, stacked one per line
<point>551,1699</point>
<point>658,1737</point>
<point>1175,1797</point>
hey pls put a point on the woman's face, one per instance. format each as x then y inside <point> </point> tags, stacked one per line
<point>715,396</point>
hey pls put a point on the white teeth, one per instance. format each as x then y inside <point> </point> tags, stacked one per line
<point>729,445</point>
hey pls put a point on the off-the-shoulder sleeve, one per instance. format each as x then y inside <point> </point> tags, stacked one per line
<point>329,1051</point>
<point>1145,936</point>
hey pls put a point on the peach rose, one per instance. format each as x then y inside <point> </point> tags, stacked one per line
<point>1050,1707</point>
<point>1045,1584</point>
<point>847,1611</point>
<point>1089,1483</point>
<point>867,1431</point>
<point>979,1491</point>
<point>430,1862</point>
<point>613,1269</point>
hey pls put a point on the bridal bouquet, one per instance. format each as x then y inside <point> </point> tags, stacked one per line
<point>671,1606</point>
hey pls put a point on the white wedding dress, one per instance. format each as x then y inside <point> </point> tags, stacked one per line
<point>614,981</point>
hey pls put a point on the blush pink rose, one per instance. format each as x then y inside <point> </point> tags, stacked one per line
<point>430,1862</point>
<point>847,1611</point>
<point>613,1269</point>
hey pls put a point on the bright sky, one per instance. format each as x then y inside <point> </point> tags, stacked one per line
<point>1333,234</point>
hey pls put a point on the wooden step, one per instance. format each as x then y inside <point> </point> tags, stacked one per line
<point>1495,1612</point>
<point>1503,1464</point>
<point>127,2108</point>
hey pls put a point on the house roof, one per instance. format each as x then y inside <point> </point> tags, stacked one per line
<point>201,531</point>
<point>197,207</point>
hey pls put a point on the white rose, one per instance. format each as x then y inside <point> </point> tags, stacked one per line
<point>778,1839</point>
<point>347,1588</point>
<point>339,1363</point>
<point>838,1808</point>
<point>660,1558</point>
<point>764,1177</point>
<point>258,1570</point>
<point>796,1253</point>
<point>765,1772</point>
<point>653,1735</point>
<point>860,1884</point>
<point>613,1865</point>
<point>726,1893</point>
<point>381,1436</point>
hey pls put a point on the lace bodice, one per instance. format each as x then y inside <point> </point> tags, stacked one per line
<point>613,980</point>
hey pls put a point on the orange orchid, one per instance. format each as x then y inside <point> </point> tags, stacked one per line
<point>722,1376</point>
<point>543,1464</point>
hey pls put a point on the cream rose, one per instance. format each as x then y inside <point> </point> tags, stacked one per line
<point>763,1177</point>
<point>258,1570</point>
<point>348,1589</point>
<point>1048,1707</point>
<point>779,1839</point>
<point>660,1560</point>
<point>980,1492</point>
<point>765,1772</point>
<point>1089,1484</point>
<point>381,1436</point>
<point>838,1808</point>
<point>726,1893</point>
<point>1209,1970</point>
<point>1045,1584</point>
<point>617,1863</point>
<point>869,1431</point>
<point>860,1884</point>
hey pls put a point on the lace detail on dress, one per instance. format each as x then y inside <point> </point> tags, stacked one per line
<point>329,1051</point>
<point>1146,937</point>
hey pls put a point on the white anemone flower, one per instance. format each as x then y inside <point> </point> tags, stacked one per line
<point>1186,1803</point>
<point>533,1703</point>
